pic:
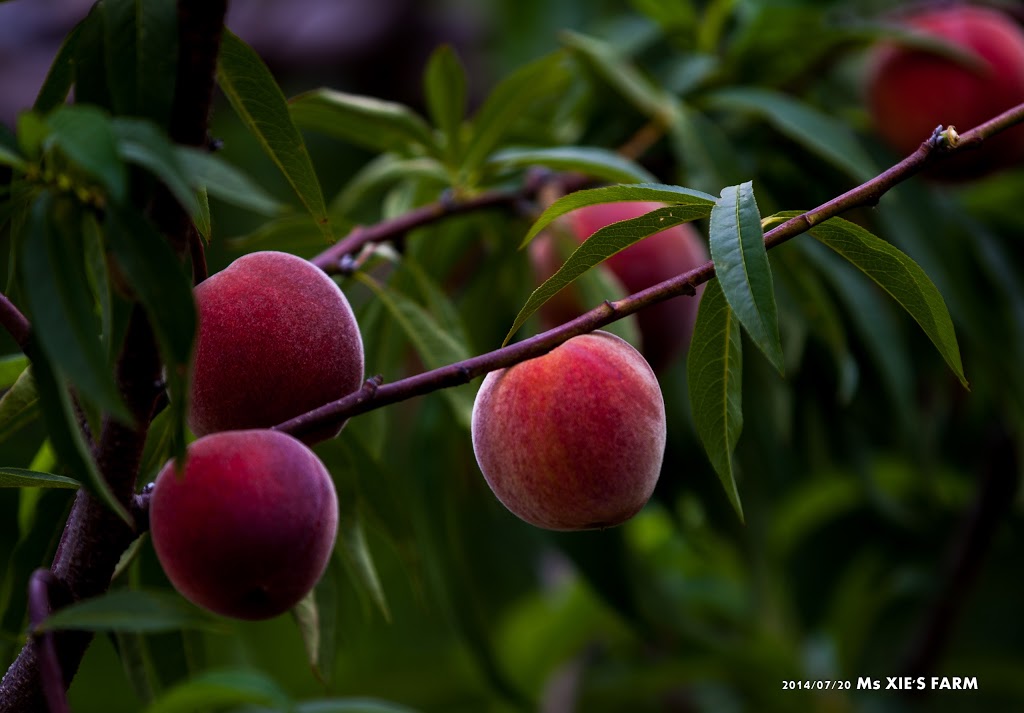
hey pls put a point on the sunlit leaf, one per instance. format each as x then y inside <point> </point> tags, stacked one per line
<point>714,369</point>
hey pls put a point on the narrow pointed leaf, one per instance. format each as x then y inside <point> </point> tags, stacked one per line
<point>638,90</point>
<point>61,305</point>
<point>19,405</point>
<point>355,552</point>
<point>445,88</point>
<point>373,123</point>
<point>603,244</point>
<point>66,435</point>
<point>12,159</point>
<point>11,368</point>
<point>61,75</point>
<point>714,370</point>
<point>538,81</point>
<point>741,264</point>
<point>140,142</point>
<point>125,610</point>
<point>223,181</point>
<point>589,160</point>
<point>435,346</point>
<point>901,277</point>
<point>317,617</point>
<point>85,134</point>
<point>21,478</point>
<point>258,101</point>
<point>819,133</point>
<point>671,195</point>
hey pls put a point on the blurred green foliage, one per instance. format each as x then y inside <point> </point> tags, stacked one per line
<point>858,470</point>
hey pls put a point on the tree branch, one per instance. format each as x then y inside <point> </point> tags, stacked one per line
<point>14,322</point>
<point>94,537</point>
<point>868,193</point>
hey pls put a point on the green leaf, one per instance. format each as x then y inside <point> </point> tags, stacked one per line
<point>32,132</point>
<point>131,610</point>
<point>829,138</point>
<point>741,264</point>
<point>637,89</point>
<point>435,345</point>
<point>156,42</point>
<point>119,44</point>
<point>90,62</point>
<point>351,705</point>
<point>258,101</point>
<point>66,435</point>
<point>154,272</point>
<point>383,172</point>
<point>714,371</point>
<point>140,142</point>
<point>19,405</point>
<point>603,244</point>
<point>588,160</point>
<point>514,95</point>
<point>372,123</point>
<point>445,87</point>
<point>61,304</point>
<point>218,690</point>
<point>901,277</point>
<point>317,616</point>
<point>671,195</point>
<point>356,555</point>
<point>12,159</point>
<point>61,75</point>
<point>11,367</point>
<point>21,478</point>
<point>223,181</point>
<point>85,134</point>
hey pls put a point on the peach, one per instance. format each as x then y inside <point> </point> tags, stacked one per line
<point>247,528</point>
<point>574,439</point>
<point>276,338</point>
<point>913,90</point>
<point>665,328</point>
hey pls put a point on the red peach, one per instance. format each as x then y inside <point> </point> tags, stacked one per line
<point>574,439</point>
<point>276,338</point>
<point>913,90</point>
<point>247,528</point>
<point>665,328</point>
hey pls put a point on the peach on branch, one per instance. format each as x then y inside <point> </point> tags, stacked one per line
<point>276,338</point>
<point>574,439</point>
<point>912,90</point>
<point>247,527</point>
<point>665,328</point>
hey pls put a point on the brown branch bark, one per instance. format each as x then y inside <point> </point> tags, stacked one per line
<point>94,537</point>
<point>868,193</point>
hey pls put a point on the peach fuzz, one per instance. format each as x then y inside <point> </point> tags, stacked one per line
<point>574,439</point>
<point>665,328</point>
<point>913,90</point>
<point>247,528</point>
<point>276,338</point>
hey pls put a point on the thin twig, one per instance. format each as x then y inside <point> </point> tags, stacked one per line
<point>868,193</point>
<point>14,322</point>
